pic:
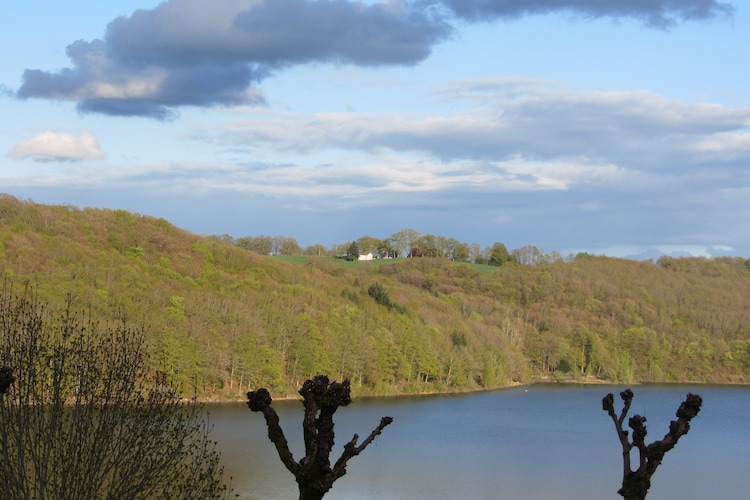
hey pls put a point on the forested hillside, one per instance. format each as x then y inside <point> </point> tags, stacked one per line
<point>223,319</point>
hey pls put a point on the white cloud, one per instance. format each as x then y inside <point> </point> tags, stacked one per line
<point>534,120</point>
<point>56,146</point>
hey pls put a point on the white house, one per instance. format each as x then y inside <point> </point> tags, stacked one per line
<point>367,256</point>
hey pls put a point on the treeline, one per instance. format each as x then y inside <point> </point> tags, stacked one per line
<point>222,319</point>
<point>404,243</point>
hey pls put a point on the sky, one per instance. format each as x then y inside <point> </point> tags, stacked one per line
<point>617,128</point>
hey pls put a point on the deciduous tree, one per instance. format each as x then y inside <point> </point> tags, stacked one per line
<point>636,483</point>
<point>81,419</point>
<point>314,474</point>
<point>499,255</point>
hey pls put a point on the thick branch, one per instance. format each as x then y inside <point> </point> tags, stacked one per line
<point>677,428</point>
<point>351,449</point>
<point>260,400</point>
<point>608,404</point>
<point>321,398</point>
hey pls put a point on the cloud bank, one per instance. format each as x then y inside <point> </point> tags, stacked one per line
<point>532,120</point>
<point>653,13</point>
<point>527,161</point>
<point>52,146</point>
<point>198,53</point>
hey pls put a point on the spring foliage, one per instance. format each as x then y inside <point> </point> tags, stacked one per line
<point>223,319</point>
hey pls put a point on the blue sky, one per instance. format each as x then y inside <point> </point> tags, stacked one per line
<point>618,128</point>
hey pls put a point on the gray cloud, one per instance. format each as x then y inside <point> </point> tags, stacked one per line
<point>198,53</point>
<point>277,33</point>
<point>653,13</point>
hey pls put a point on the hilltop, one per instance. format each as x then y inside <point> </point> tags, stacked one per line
<point>223,319</point>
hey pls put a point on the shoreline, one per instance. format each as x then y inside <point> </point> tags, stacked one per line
<point>218,399</point>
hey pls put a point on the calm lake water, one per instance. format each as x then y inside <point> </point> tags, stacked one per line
<point>541,442</point>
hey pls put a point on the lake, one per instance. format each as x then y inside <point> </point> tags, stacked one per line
<point>541,442</point>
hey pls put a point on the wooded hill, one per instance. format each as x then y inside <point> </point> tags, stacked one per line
<point>223,320</point>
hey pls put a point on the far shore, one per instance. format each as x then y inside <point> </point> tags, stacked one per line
<point>216,399</point>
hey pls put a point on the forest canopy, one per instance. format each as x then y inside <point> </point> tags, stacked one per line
<point>223,319</point>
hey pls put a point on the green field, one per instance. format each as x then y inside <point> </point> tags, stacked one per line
<point>482,269</point>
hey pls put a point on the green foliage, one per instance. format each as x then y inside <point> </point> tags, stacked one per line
<point>459,339</point>
<point>381,296</point>
<point>223,320</point>
<point>499,255</point>
<point>377,292</point>
<point>352,251</point>
<point>134,252</point>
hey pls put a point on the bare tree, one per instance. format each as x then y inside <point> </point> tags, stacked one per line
<point>6,379</point>
<point>321,399</point>
<point>635,483</point>
<point>80,417</point>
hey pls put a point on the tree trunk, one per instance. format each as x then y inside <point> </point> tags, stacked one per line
<point>634,486</point>
<point>310,492</point>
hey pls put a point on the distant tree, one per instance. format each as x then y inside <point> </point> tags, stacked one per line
<point>385,249</point>
<point>379,293</point>
<point>498,255</point>
<point>459,339</point>
<point>432,245</point>
<point>555,256</point>
<point>425,246</point>
<point>352,251</point>
<point>339,249</point>
<point>317,250</point>
<point>635,483</point>
<point>368,244</point>
<point>314,474</point>
<point>456,251</point>
<point>288,246</point>
<point>475,253</point>
<point>81,419</point>
<point>528,255</point>
<point>404,240</point>
<point>224,238</point>
<point>262,245</point>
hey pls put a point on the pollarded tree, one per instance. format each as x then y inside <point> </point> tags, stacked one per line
<point>321,398</point>
<point>81,419</point>
<point>635,483</point>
